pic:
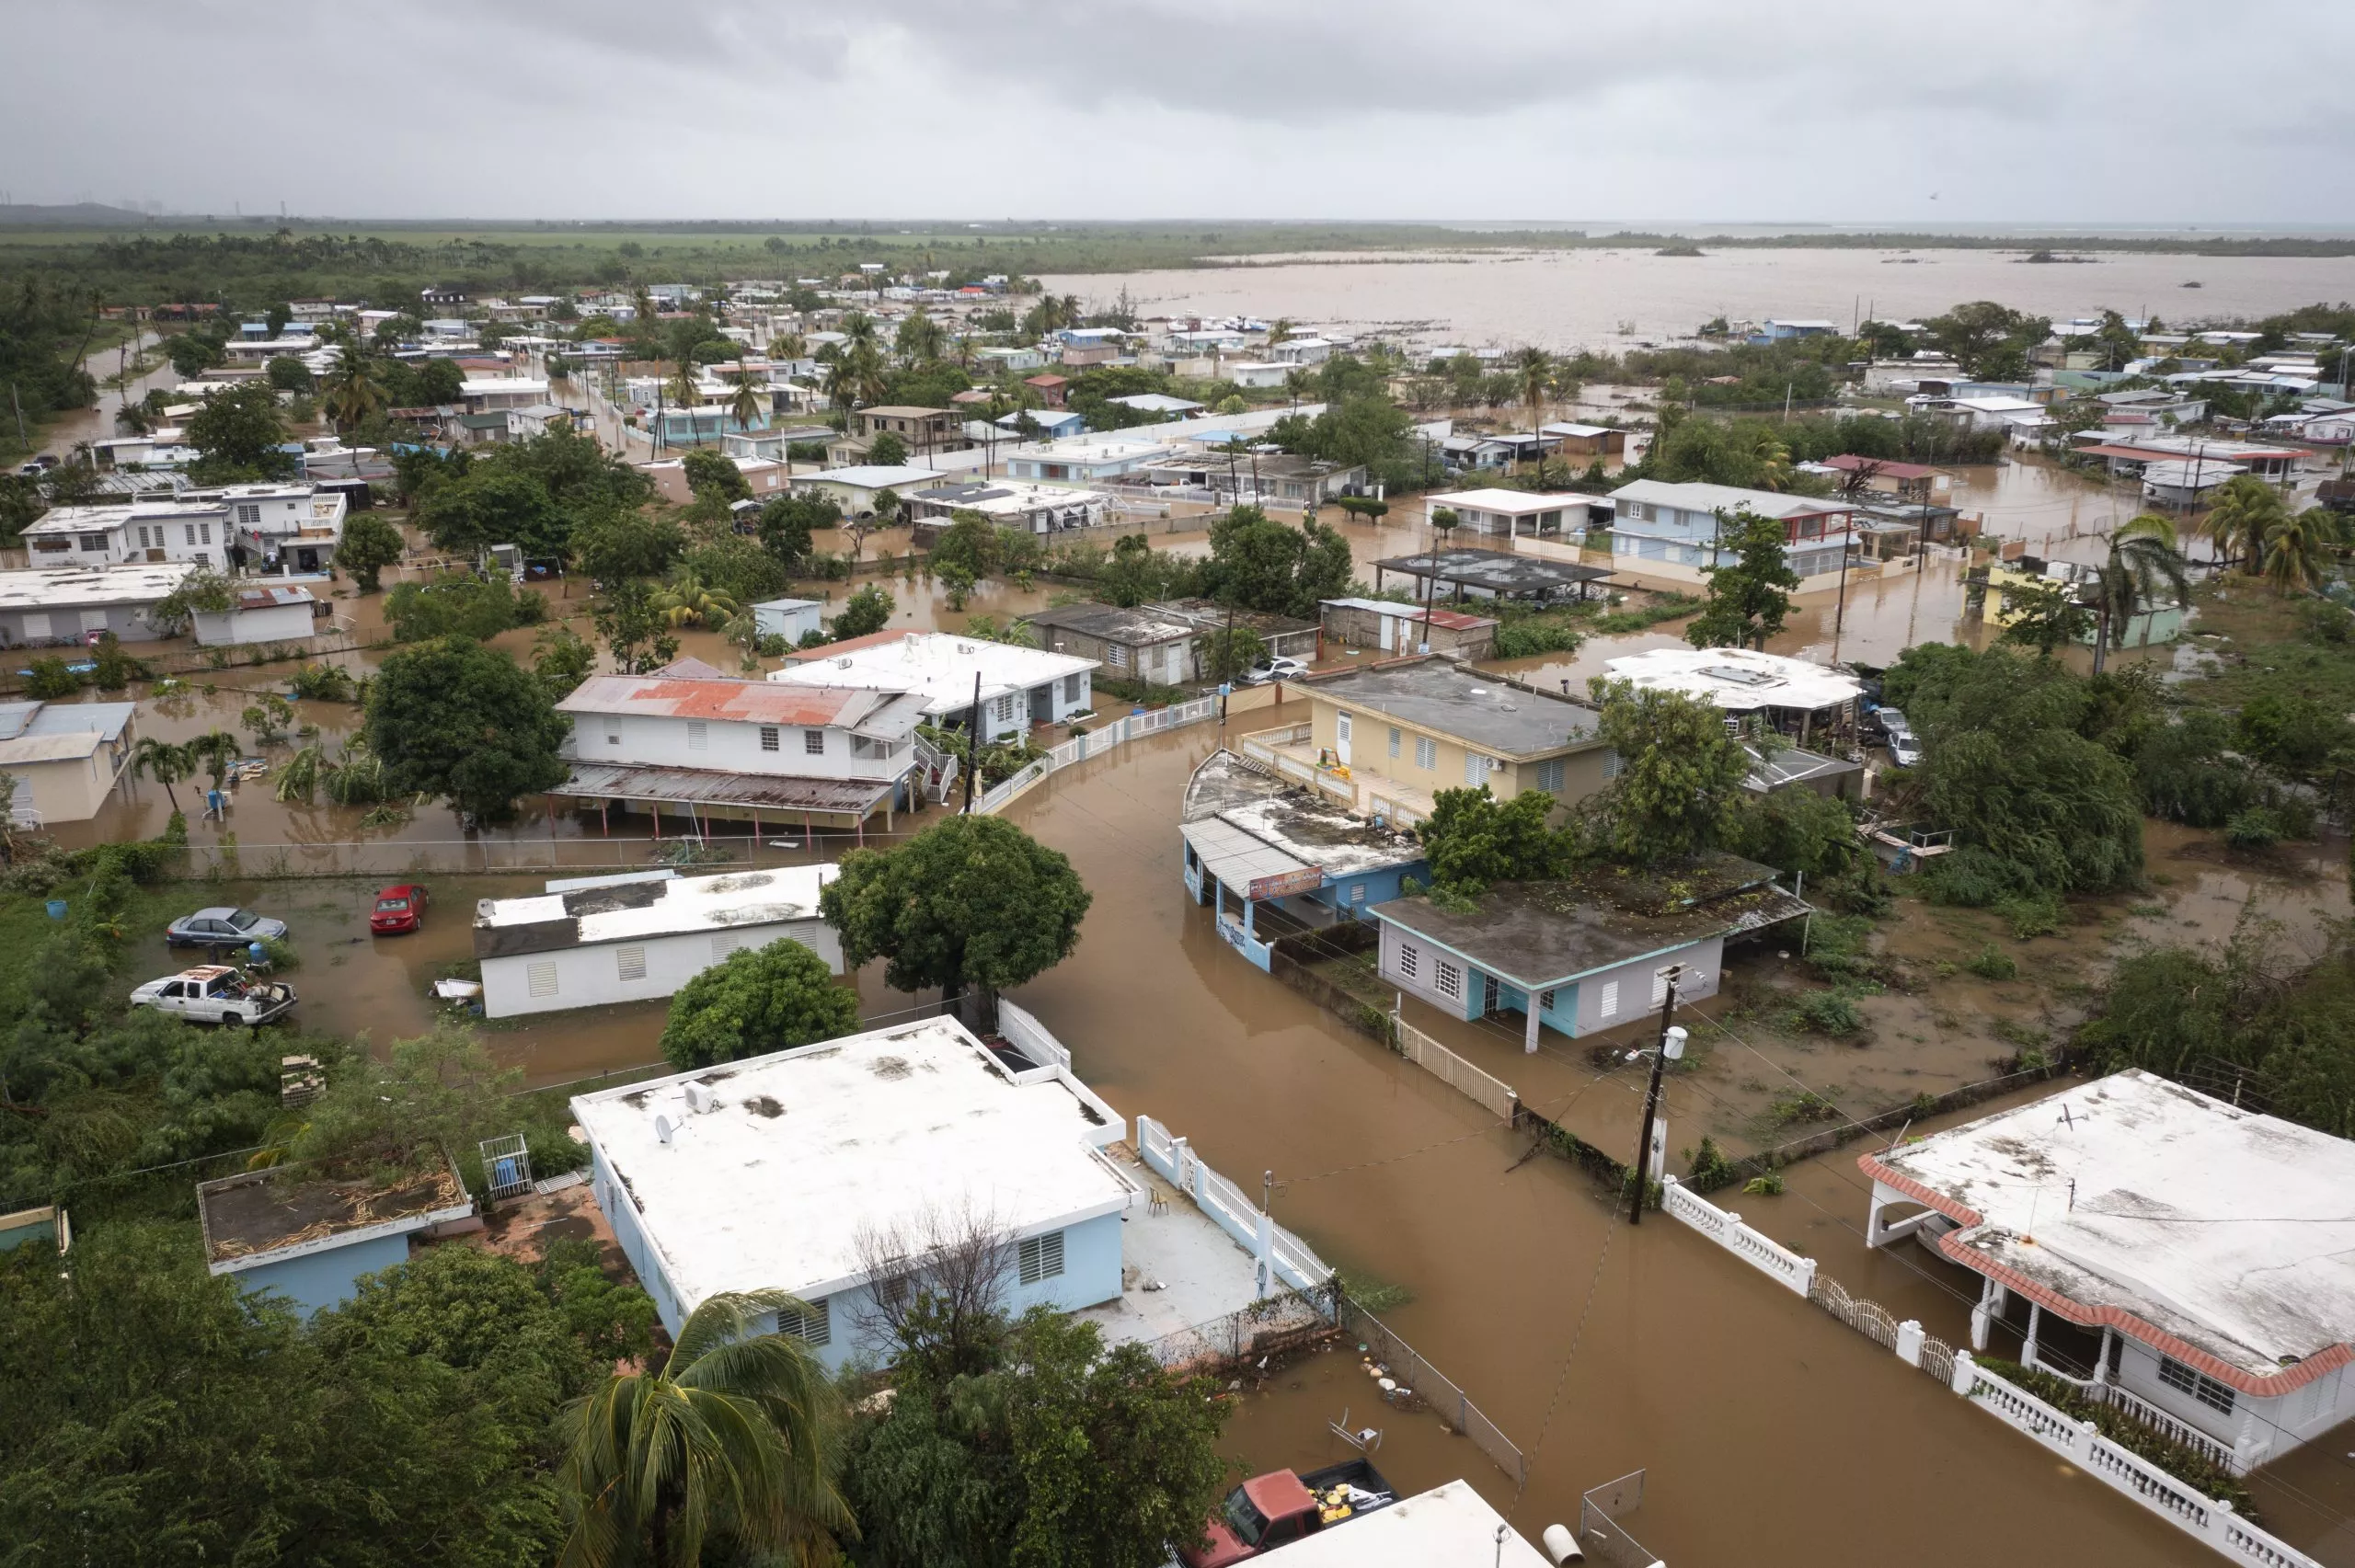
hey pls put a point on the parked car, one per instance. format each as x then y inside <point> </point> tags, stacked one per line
<point>223,928</point>
<point>1279,1507</point>
<point>1282,667</point>
<point>399,908</point>
<point>1892,722</point>
<point>1905,750</point>
<point>215,993</point>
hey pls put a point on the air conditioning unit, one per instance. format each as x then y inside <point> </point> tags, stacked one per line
<point>701,1100</point>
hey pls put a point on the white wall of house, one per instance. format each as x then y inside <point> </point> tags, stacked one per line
<point>783,750</point>
<point>273,624</point>
<point>2264,1427</point>
<point>1604,1000</point>
<point>69,789</point>
<point>600,974</point>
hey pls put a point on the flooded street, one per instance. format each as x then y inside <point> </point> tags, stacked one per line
<point>1571,299</point>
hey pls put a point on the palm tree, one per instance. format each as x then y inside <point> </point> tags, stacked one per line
<point>1281,332</point>
<point>687,600</point>
<point>732,1435</point>
<point>919,339</point>
<point>1534,368</point>
<point>745,407</point>
<point>2244,510</point>
<point>355,390</point>
<point>864,363</point>
<point>2143,556</point>
<point>685,388</point>
<point>1773,458</point>
<point>2295,547</point>
<point>164,763</point>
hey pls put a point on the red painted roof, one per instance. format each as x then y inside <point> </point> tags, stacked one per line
<point>742,702</point>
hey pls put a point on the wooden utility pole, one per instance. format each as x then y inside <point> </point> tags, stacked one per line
<point>1642,1166</point>
<point>973,743</point>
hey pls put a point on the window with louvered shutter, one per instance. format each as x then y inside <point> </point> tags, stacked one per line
<point>815,1326</point>
<point>698,736</point>
<point>727,942</point>
<point>541,978</point>
<point>630,962</point>
<point>1041,1257</point>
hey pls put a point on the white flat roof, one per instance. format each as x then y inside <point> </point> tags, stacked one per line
<point>938,666</point>
<point>1450,1525</point>
<point>1735,679</point>
<point>1696,496</point>
<point>873,476</point>
<point>809,1147</point>
<point>2229,1230</point>
<point>68,588</point>
<point>683,904</point>
<point>1519,503</point>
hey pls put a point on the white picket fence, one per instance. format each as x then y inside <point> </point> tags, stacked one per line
<point>1289,1259</point>
<point>1095,743</point>
<point>1492,1093</point>
<point>2080,1442</point>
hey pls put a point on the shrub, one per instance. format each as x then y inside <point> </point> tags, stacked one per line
<point>2030,914</point>
<point>2255,828</point>
<point>49,677</point>
<point>2184,1464</point>
<point>1768,1185</point>
<point>1707,1169</point>
<point>1991,963</point>
<point>1829,1012</point>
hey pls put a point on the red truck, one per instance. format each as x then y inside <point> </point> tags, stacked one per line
<point>1279,1507</point>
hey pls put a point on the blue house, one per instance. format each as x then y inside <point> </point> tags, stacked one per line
<point>1583,955</point>
<point>1052,423</point>
<point>1671,529</point>
<point>311,1241</point>
<point>1272,859</point>
<point>827,1170</point>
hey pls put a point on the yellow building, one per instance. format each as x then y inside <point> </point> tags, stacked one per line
<point>1387,738</point>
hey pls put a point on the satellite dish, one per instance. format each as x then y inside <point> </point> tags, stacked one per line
<point>663,1129</point>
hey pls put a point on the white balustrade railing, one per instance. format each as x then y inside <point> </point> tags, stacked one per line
<point>1761,1251</point>
<point>1292,1261</point>
<point>1117,733</point>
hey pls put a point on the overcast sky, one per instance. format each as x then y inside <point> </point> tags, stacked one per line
<point>2052,112</point>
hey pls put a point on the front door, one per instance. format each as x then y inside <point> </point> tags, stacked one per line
<point>1389,632</point>
<point>1342,740</point>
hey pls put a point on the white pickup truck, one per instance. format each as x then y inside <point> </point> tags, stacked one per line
<point>214,993</point>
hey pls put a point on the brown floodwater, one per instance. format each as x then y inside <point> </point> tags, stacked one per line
<point>1570,299</point>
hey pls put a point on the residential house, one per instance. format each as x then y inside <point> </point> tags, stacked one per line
<point>1050,388</point>
<point>1393,628</point>
<point>1091,345</point>
<point>1302,352</point>
<point>1272,859</point>
<point>1257,478</point>
<point>259,615</point>
<point>795,1171</point>
<point>1141,644</point>
<point>1776,330</point>
<point>1086,460</point>
<point>2009,582</point>
<point>2129,457</point>
<point>1887,476</point>
<point>1754,690</point>
<point>481,394</point>
<point>698,745</point>
<point>919,430</point>
<point>856,488</point>
<point>1591,952</point>
<point>1283,637</point>
<point>1449,1524</point>
<point>286,527</point>
<point>1672,529</point>
<point>946,676</point>
<point>1050,424</point>
<point>1259,373</point>
<point>70,606</point>
<point>600,940</point>
<point>1510,512</point>
<point>1031,508</point>
<point>2180,1259</point>
<point>1159,404</point>
<point>1385,738</point>
<point>764,477</point>
<point>311,1241</point>
<point>64,758</point>
<point>1013,359</point>
<point>1572,440</point>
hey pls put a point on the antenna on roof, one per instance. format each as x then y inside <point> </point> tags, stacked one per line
<point>662,1129</point>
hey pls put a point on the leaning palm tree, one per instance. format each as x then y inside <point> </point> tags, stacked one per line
<point>214,750</point>
<point>2244,510</point>
<point>729,1437</point>
<point>685,388</point>
<point>164,763</point>
<point>865,362</point>
<point>2297,547</point>
<point>2144,556</point>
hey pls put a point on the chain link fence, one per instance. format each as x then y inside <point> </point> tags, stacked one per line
<point>1426,1384</point>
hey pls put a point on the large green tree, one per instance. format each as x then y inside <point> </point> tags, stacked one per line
<point>1474,840</point>
<point>493,506</point>
<point>973,901</point>
<point>369,544</point>
<point>238,435</point>
<point>759,1000</point>
<point>1063,1453</point>
<point>614,546</point>
<point>456,719</point>
<point>1679,774</point>
<point>160,1414</point>
<point>1257,563</point>
<point>1749,587</point>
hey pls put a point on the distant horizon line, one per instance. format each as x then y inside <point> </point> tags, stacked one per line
<point>1680,227</point>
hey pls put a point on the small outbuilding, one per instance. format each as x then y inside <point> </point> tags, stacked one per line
<point>791,619</point>
<point>1393,628</point>
<point>311,1239</point>
<point>259,615</point>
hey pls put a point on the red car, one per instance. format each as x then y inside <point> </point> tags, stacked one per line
<point>398,909</point>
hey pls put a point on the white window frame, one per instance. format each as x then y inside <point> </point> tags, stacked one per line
<point>1609,1006</point>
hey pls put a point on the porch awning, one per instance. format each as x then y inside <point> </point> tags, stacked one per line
<point>710,787</point>
<point>1249,865</point>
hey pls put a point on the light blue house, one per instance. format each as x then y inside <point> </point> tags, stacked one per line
<point>820,1169</point>
<point>1593,952</point>
<point>1672,529</point>
<point>1272,859</point>
<point>311,1241</point>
